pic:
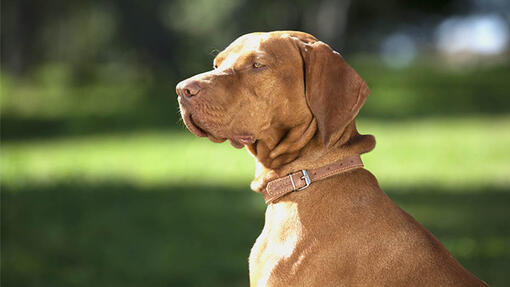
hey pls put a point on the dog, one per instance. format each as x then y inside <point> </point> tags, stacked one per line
<point>291,101</point>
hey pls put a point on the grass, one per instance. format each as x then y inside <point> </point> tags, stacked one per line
<point>466,152</point>
<point>127,209</point>
<point>114,234</point>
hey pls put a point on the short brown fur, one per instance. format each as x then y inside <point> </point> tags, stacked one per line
<point>291,100</point>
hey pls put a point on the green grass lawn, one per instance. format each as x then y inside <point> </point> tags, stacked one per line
<point>126,209</point>
<point>463,153</point>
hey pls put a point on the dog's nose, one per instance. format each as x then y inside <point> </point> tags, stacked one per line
<point>188,88</point>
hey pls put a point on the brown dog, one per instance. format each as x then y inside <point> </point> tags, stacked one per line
<point>291,100</point>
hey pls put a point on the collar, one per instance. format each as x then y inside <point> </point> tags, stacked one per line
<point>302,179</point>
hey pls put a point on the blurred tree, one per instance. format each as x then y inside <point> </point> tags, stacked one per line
<point>158,33</point>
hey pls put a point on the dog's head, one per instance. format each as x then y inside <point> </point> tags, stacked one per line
<point>269,83</point>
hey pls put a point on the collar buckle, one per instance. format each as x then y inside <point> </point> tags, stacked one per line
<point>305,177</point>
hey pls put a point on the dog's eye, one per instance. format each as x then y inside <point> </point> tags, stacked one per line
<point>215,66</point>
<point>257,65</point>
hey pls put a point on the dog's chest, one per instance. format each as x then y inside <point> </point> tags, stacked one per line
<point>276,251</point>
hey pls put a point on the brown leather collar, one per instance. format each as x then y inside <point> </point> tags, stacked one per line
<point>300,180</point>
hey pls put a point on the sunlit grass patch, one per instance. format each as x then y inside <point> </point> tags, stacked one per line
<point>468,152</point>
<point>145,158</point>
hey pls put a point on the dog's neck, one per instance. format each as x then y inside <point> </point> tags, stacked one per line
<point>286,151</point>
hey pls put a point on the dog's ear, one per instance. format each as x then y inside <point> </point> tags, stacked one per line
<point>334,91</point>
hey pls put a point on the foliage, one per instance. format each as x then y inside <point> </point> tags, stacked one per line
<point>52,103</point>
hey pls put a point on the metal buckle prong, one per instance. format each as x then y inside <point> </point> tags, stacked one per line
<point>306,178</point>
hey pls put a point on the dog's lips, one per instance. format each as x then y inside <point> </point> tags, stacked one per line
<point>215,139</point>
<point>241,140</point>
<point>245,139</point>
<point>237,141</point>
<point>192,127</point>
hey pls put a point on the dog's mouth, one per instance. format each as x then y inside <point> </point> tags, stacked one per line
<point>194,127</point>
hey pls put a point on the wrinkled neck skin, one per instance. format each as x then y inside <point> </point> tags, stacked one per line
<point>284,151</point>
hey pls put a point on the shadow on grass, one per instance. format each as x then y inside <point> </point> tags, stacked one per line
<point>22,129</point>
<point>109,234</point>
